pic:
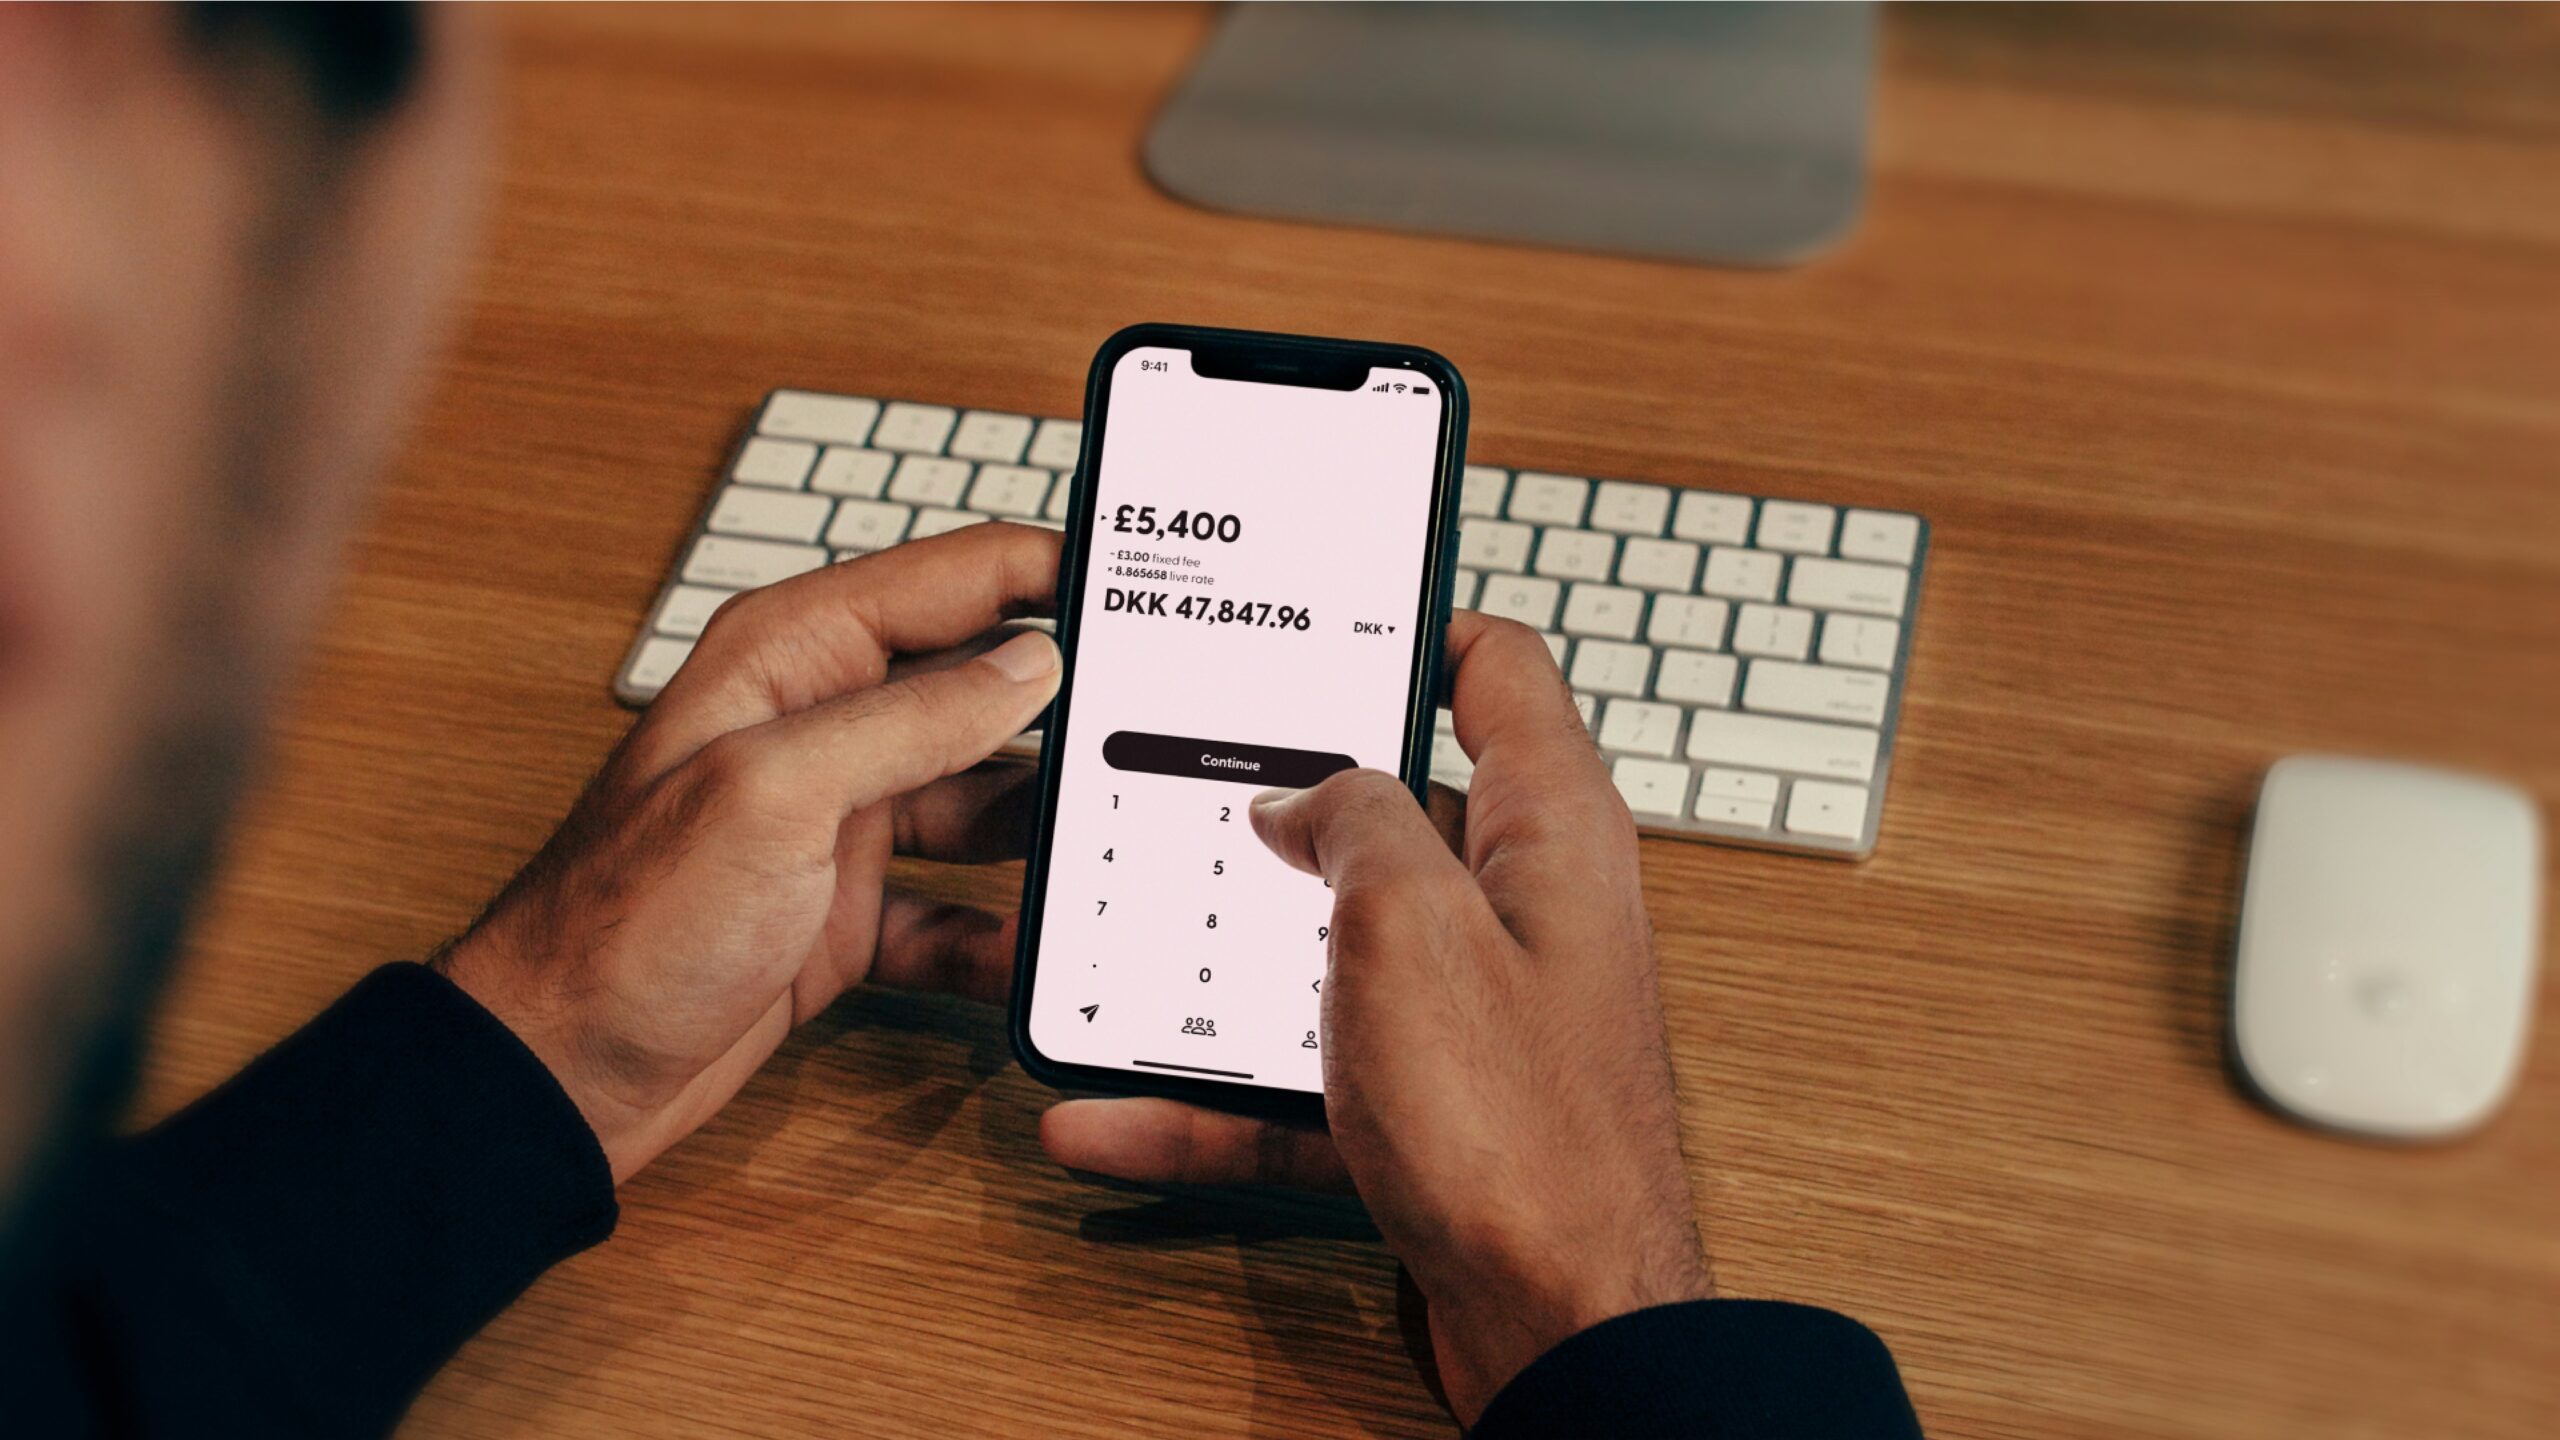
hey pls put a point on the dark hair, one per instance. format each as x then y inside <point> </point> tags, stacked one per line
<point>354,62</point>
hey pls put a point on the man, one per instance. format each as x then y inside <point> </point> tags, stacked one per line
<point>222,239</point>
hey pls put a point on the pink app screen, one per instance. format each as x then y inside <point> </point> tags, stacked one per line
<point>1252,602</point>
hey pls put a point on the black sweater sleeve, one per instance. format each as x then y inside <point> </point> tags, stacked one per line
<point>1710,1370</point>
<point>296,1253</point>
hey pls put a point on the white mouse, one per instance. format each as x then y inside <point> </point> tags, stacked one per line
<point>2389,941</point>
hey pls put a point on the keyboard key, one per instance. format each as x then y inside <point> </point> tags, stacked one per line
<point>868,525</point>
<point>1880,535</point>
<point>659,658</point>
<point>1548,499</point>
<point>1575,554</point>
<point>1816,692</point>
<point>844,470</point>
<point>1058,445</point>
<point>1556,648</point>
<point>937,521</point>
<point>1773,630</point>
<point>1524,598</point>
<point>1651,787</point>
<point>1493,544</point>
<point>1725,810</point>
<point>1737,797</point>
<point>1059,494</point>
<point>1658,564</point>
<point>920,428</point>
<point>1836,811</point>
<point>1712,519</point>
<point>687,609</point>
<point>1796,528</point>
<point>1462,592</point>
<point>1603,610</point>
<point>1849,585</point>
<point>1859,640</point>
<point>1640,726</point>
<point>1480,490</point>
<point>1009,490</point>
<point>768,514</point>
<point>1767,742</point>
<point>987,435</point>
<point>834,419</point>
<point>929,480</point>
<point>1742,574</point>
<point>1738,784</point>
<point>780,463</point>
<point>1589,705</point>
<point>1688,620</point>
<point>1629,509</point>
<point>1607,667</point>
<point>735,564</point>
<point>1694,678</point>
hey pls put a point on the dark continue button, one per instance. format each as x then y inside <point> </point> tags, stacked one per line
<point>1257,765</point>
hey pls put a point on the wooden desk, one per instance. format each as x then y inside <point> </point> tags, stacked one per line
<point>2222,348</point>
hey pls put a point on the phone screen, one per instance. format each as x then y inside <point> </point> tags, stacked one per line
<point>1252,605</point>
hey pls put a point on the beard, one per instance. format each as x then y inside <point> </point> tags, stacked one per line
<point>142,868</point>
<point>198,692</point>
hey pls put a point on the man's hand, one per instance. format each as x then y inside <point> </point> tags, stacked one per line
<point>1494,1071</point>
<point>721,880</point>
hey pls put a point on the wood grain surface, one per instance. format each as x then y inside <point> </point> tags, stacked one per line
<point>2221,347</point>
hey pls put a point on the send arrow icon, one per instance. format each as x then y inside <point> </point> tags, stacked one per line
<point>1088,1012</point>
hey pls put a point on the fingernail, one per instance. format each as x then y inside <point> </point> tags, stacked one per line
<point>1026,657</point>
<point>1275,797</point>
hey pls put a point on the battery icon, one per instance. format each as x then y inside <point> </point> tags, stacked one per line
<point>1421,389</point>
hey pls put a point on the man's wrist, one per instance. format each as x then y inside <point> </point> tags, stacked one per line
<point>1514,1302</point>
<point>479,968</point>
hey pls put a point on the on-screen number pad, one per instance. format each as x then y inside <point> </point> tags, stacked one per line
<point>1170,844</point>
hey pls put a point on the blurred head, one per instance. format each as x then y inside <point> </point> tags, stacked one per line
<point>225,233</point>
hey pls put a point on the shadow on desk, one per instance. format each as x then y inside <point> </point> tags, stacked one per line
<point>847,1140</point>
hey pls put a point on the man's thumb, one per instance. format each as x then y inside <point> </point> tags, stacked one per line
<point>858,749</point>
<point>1359,819</point>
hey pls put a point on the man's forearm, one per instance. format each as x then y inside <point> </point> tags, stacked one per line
<point>298,1252</point>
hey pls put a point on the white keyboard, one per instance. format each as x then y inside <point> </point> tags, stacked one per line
<point>1740,661</point>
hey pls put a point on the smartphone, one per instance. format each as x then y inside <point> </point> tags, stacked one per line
<point>1253,595</point>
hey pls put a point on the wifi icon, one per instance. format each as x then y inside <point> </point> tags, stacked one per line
<point>1399,389</point>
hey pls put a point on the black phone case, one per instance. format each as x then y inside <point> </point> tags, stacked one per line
<point>1270,353</point>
